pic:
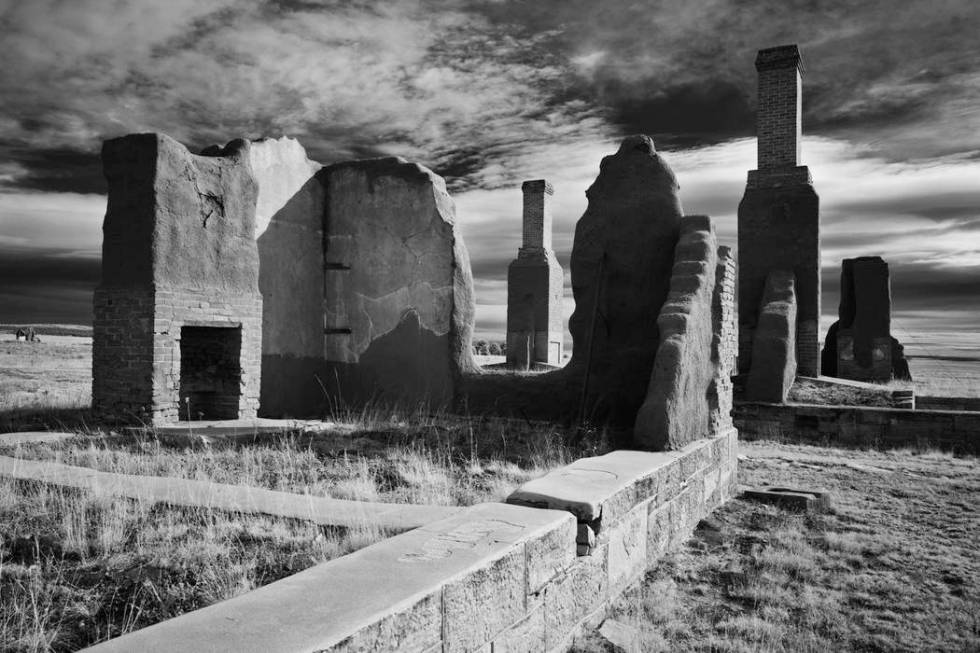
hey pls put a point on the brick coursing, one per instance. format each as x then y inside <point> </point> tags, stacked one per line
<point>136,349</point>
<point>724,346</point>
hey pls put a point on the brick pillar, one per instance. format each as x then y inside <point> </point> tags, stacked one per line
<point>537,214</point>
<point>779,123</point>
<point>779,216</point>
<point>535,284</point>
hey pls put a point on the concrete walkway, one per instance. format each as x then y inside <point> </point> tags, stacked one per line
<point>231,498</point>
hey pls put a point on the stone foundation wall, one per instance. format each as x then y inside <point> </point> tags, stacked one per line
<point>494,577</point>
<point>860,427</point>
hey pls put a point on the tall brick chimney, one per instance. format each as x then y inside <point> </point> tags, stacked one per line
<point>779,123</point>
<point>537,214</point>
<point>779,215</point>
<point>534,287</point>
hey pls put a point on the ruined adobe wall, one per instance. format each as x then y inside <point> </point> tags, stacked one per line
<point>289,235</point>
<point>676,409</point>
<point>774,358</point>
<point>178,250</point>
<point>526,576</point>
<point>398,291</point>
<point>621,267</point>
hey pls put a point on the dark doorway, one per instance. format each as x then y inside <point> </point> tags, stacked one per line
<point>210,372</point>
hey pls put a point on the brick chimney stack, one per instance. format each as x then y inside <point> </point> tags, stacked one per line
<point>537,214</point>
<point>779,118</point>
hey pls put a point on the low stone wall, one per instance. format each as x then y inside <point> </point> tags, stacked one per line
<point>948,403</point>
<point>863,427</point>
<point>495,577</point>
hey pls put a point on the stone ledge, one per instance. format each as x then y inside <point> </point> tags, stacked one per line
<point>387,596</point>
<point>608,487</point>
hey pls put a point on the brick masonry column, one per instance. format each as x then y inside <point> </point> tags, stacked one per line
<point>535,283</point>
<point>779,215</point>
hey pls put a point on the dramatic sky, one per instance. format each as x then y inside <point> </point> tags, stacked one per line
<point>491,93</point>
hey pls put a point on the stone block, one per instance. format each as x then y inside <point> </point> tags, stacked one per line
<point>593,488</point>
<point>658,532</point>
<point>794,499</point>
<point>528,634</point>
<point>627,549</point>
<point>575,595</point>
<point>484,602</point>
<point>550,554</point>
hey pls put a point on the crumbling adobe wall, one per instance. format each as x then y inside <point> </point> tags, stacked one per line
<point>724,343</point>
<point>621,268</point>
<point>398,301</point>
<point>178,250</point>
<point>859,345</point>
<point>289,233</point>
<point>676,410</point>
<point>774,348</point>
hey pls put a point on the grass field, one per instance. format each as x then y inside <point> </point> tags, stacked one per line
<point>893,566</point>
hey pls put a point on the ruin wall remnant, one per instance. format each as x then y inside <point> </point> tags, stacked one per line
<point>177,315</point>
<point>621,268</point>
<point>779,215</point>
<point>859,344</point>
<point>676,408</point>
<point>398,291</point>
<point>774,357</point>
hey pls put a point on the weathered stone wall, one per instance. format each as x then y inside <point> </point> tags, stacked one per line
<point>779,215</point>
<point>860,427</point>
<point>774,348</point>
<point>493,577</point>
<point>621,266</point>
<point>398,299</point>
<point>289,233</point>
<point>676,410</point>
<point>178,250</point>
<point>535,283</point>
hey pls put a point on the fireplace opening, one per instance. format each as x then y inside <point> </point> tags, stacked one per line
<point>210,372</point>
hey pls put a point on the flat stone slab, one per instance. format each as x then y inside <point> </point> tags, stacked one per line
<point>29,437</point>
<point>792,498</point>
<point>387,596</point>
<point>584,486</point>
<point>231,498</point>
<point>230,429</point>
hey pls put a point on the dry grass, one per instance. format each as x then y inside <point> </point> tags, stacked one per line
<point>78,568</point>
<point>893,567</point>
<point>446,461</point>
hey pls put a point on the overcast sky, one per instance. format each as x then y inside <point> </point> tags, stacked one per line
<point>490,93</point>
